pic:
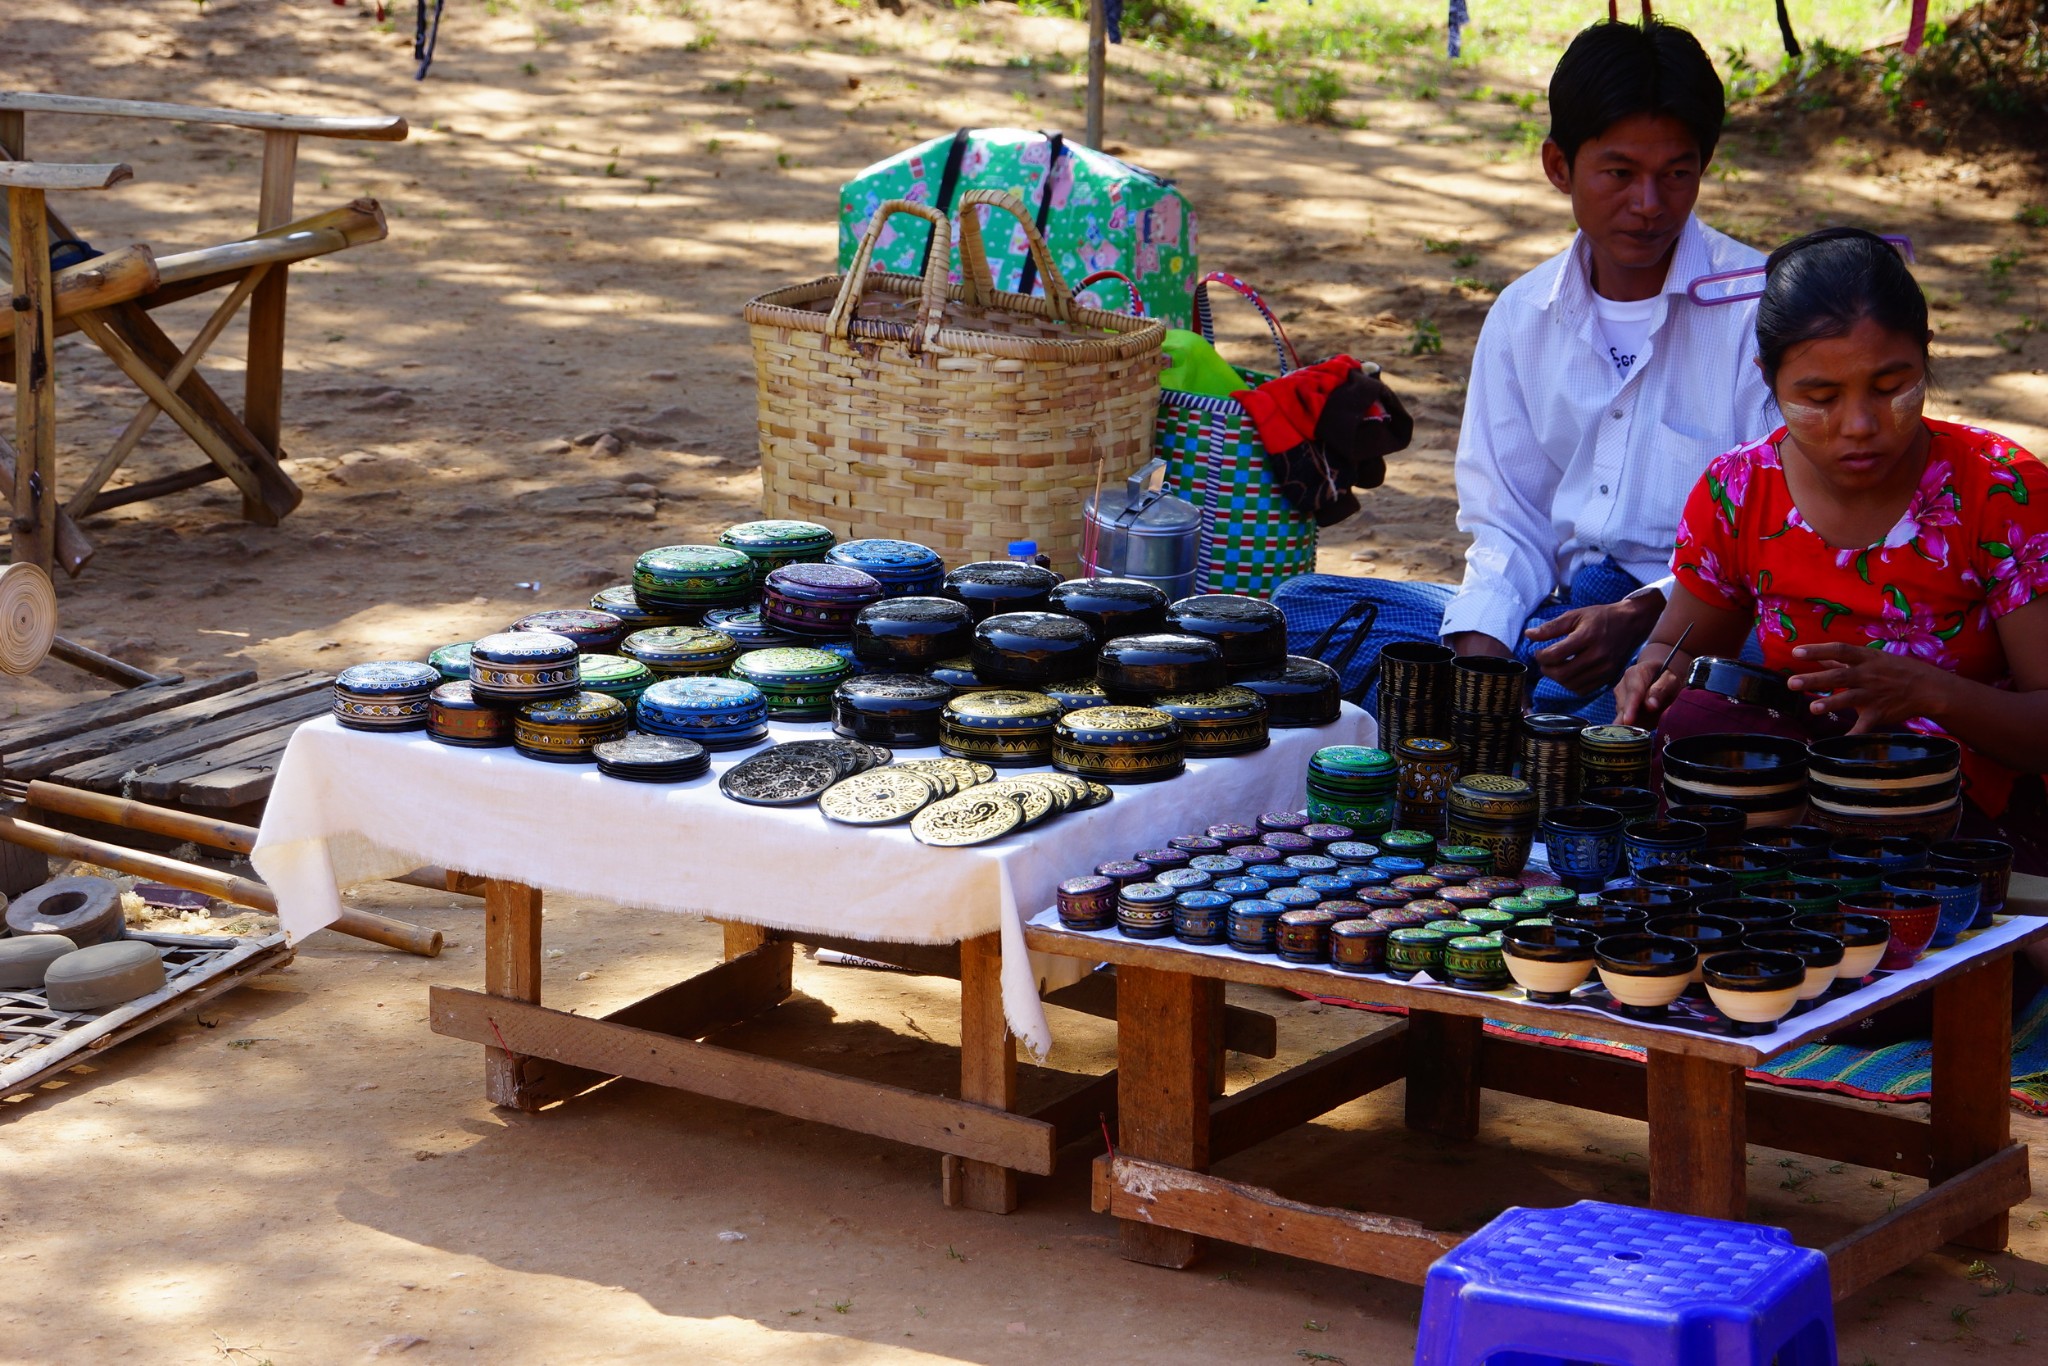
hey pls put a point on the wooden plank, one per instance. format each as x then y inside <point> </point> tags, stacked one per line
<point>1443,1074</point>
<point>60,175</point>
<point>263,380</point>
<point>34,527</point>
<point>883,1111</point>
<point>1086,1112</point>
<point>735,990</point>
<point>1250,1032</point>
<point>1316,1087</point>
<point>109,772</point>
<point>159,723</point>
<point>372,127</point>
<point>142,490</point>
<point>741,938</point>
<point>1944,1213</point>
<point>1698,1153</point>
<point>512,931</point>
<point>1160,1197</point>
<point>251,760</point>
<point>988,1074</point>
<point>33,732</point>
<point>1795,1121</point>
<point>1969,1111</point>
<point>1163,1027</point>
<point>234,788</point>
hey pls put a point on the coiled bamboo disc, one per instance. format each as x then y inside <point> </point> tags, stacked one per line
<point>28,617</point>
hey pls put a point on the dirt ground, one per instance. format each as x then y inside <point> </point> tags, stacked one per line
<point>304,1173</point>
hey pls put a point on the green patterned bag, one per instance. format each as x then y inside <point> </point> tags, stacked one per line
<point>1095,212</point>
<point>1253,539</point>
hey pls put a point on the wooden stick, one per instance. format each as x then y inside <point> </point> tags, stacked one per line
<point>57,175</point>
<point>132,815</point>
<point>240,891</point>
<point>112,276</point>
<point>374,127</point>
<point>106,666</point>
<point>35,387</point>
<point>263,379</point>
<point>1098,70</point>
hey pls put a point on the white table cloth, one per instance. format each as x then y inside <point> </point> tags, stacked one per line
<point>351,807</point>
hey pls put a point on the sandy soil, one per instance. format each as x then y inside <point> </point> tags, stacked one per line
<point>305,1173</point>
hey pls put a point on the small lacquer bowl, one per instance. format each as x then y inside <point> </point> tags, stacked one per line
<point>1645,973</point>
<point>1754,988</point>
<point>1822,954</point>
<point>1864,938</point>
<point>1548,961</point>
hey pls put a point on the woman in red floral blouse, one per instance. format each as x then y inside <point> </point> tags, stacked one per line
<point>1893,565</point>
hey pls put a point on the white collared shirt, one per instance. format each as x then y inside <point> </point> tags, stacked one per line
<point>1563,462</point>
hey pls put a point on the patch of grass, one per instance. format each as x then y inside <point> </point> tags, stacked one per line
<point>1427,339</point>
<point>1436,246</point>
<point>1476,285</point>
<point>2032,216</point>
<point>1465,260</point>
<point>1308,98</point>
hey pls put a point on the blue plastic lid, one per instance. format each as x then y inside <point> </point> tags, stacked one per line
<point>1023,549</point>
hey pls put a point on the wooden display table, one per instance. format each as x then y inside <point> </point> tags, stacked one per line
<point>1691,1089</point>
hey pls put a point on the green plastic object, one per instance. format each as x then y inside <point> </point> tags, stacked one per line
<point>1195,368</point>
<point>1099,214</point>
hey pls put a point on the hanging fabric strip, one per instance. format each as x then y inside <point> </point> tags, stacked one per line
<point>1459,17</point>
<point>1916,29</point>
<point>1791,39</point>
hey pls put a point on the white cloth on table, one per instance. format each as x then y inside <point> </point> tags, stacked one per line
<point>350,807</point>
<point>1561,465</point>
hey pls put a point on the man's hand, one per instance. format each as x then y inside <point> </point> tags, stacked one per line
<point>1594,644</point>
<point>1465,643</point>
<point>1648,688</point>
<point>1884,690</point>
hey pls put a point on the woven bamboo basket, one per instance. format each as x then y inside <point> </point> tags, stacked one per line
<point>959,416</point>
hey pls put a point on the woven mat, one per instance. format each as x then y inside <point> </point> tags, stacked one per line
<point>1900,1072</point>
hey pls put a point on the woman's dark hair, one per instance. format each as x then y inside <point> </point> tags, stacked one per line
<point>1614,70</point>
<point>1823,284</point>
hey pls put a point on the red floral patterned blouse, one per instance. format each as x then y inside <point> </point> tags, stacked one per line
<point>1971,547</point>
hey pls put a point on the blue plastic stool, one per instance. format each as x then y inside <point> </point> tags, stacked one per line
<point>1626,1287</point>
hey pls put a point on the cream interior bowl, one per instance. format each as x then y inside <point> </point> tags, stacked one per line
<point>1759,1007</point>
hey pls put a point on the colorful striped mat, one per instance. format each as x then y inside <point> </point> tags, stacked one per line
<point>1899,1072</point>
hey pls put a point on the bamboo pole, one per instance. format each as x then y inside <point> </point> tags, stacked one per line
<point>228,887</point>
<point>133,815</point>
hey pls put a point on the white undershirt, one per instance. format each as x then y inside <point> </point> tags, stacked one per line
<point>1623,328</point>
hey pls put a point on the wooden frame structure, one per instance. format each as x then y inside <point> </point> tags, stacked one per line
<point>110,298</point>
<point>535,1056</point>
<point>1691,1089</point>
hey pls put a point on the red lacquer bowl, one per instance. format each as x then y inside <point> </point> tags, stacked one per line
<point>1912,918</point>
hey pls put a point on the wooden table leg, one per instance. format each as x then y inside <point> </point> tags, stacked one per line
<point>1969,1118</point>
<point>1443,1073</point>
<point>511,969</point>
<point>34,494</point>
<point>988,1075</point>
<point>1698,1141</point>
<point>1163,1025</point>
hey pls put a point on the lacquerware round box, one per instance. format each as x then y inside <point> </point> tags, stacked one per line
<point>1251,632</point>
<point>1299,692</point>
<point>1113,607</point>
<point>1136,669</point>
<point>1088,903</point>
<point>1076,694</point>
<point>989,587</point>
<point>746,626</point>
<point>901,711</point>
<point>451,661</point>
<point>718,713</point>
<point>776,542</point>
<point>389,695</point>
<point>512,668</point>
<point>1032,649</point>
<point>1119,745</point>
<point>595,632</point>
<point>615,676</point>
<point>688,579</point>
<point>456,718</point>
<point>903,568</point>
<point>1219,722</point>
<point>958,674</point>
<point>565,730</point>
<point>1003,727</point>
<point>912,634</point>
<point>682,651</point>
<point>621,603</point>
<point>817,599</point>
<point>797,682</point>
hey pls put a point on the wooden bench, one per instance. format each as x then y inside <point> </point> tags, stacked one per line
<point>110,298</point>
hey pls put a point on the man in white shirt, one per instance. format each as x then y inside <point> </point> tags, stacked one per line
<point>1599,392</point>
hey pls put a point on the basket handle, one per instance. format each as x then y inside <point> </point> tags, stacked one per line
<point>1207,326</point>
<point>839,322</point>
<point>981,286</point>
<point>1137,308</point>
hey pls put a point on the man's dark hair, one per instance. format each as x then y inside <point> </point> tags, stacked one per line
<point>1823,284</point>
<point>1614,70</point>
